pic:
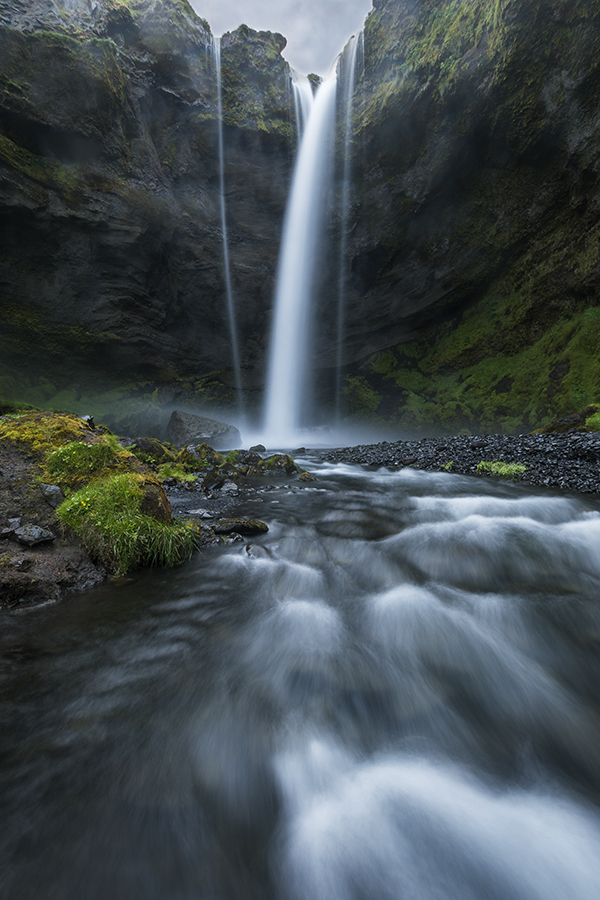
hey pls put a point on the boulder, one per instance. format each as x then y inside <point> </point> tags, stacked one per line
<point>185,428</point>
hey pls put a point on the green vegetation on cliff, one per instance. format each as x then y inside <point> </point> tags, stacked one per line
<point>477,223</point>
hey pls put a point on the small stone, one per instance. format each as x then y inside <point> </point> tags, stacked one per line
<point>306,476</point>
<point>14,523</point>
<point>240,526</point>
<point>200,514</point>
<point>31,535</point>
<point>53,494</point>
<point>229,488</point>
<point>409,460</point>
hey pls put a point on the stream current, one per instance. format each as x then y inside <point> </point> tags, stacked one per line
<point>393,695</point>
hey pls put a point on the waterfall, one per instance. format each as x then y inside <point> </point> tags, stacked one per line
<point>348,67</point>
<point>235,350</point>
<point>287,387</point>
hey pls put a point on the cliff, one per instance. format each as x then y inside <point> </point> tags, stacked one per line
<point>111,260</point>
<point>475,237</point>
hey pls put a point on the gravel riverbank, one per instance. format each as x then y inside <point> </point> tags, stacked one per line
<point>569,461</point>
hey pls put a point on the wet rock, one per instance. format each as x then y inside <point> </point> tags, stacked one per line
<point>258,448</point>
<point>306,476</point>
<point>240,526</point>
<point>200,514</point>
<point>32,535</point>
<point>229,488</point>
<point>155,502</point>
<point>52,494</point>
<point>185,428</point>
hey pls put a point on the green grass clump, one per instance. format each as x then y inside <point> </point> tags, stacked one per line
<point>497,467</point>
<point>174,470</point>
<point>592,423</point>
<point>106,516</point>
<point>77,460</point>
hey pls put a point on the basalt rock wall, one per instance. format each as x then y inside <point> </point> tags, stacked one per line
<point>474,240</point>
<point>111,258</point>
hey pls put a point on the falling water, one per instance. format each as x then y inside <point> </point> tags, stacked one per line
<point>348,68</point>
<point>302,231</point>
<point>303,100</point>
<point>235,350</point>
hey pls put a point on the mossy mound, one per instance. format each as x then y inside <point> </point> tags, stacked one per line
<point>112,517</point>
<point>43,431</point>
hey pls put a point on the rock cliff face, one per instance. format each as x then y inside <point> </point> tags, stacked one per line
<point>111,261</point>
<point>475,240</point>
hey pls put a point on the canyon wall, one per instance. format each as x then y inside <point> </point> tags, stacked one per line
<point>475,240</point>
<point>473,250</point>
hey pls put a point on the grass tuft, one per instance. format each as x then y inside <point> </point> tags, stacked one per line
<point>77,460</point>
<point>106,516</point>
<point>497,467</point>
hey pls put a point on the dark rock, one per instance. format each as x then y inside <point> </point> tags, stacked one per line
<point>32,535</point>
<point>409,460</point>
<point>185,428</point>
<point>299,451</point>
<point>306,476</point>
<point>89,421</point>
<point>52,494</point>
<point>155,502</point>
<point>258,448</point>
<point>240,526</point>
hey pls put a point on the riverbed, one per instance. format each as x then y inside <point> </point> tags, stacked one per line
<point>392,694</point>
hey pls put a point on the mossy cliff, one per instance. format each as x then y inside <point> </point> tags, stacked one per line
<point>475,232</point>
<point>111,262</point>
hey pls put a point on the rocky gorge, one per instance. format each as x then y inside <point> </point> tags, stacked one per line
<point>472,256</point>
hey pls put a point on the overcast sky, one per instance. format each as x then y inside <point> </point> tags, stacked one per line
<point>316,30</point>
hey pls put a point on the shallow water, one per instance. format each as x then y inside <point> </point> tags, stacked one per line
<point>393,694</point>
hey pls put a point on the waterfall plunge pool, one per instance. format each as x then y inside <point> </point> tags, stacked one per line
<point>392,694</point>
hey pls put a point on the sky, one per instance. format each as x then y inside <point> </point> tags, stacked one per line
<point>316,30</point>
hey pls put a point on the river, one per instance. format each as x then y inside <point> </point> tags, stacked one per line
<point>393,695</point>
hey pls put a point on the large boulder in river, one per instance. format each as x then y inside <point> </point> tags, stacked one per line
<point>185,428</point>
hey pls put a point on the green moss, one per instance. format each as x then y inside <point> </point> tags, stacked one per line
<point>496,467</point>
<point>592,423</point>
<point>360,396</point>
<point>43,431</point>
<point>232,457</point>
<point>107,516</point>
<point>173,470</point>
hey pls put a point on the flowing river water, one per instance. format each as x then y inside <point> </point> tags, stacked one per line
<point>393,695</point>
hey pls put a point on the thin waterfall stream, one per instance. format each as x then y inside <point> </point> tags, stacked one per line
<point>231,316</point>
<point>348,64</point>
<point>392,694</point>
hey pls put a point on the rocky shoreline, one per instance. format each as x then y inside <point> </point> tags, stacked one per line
<point>568,461</point>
